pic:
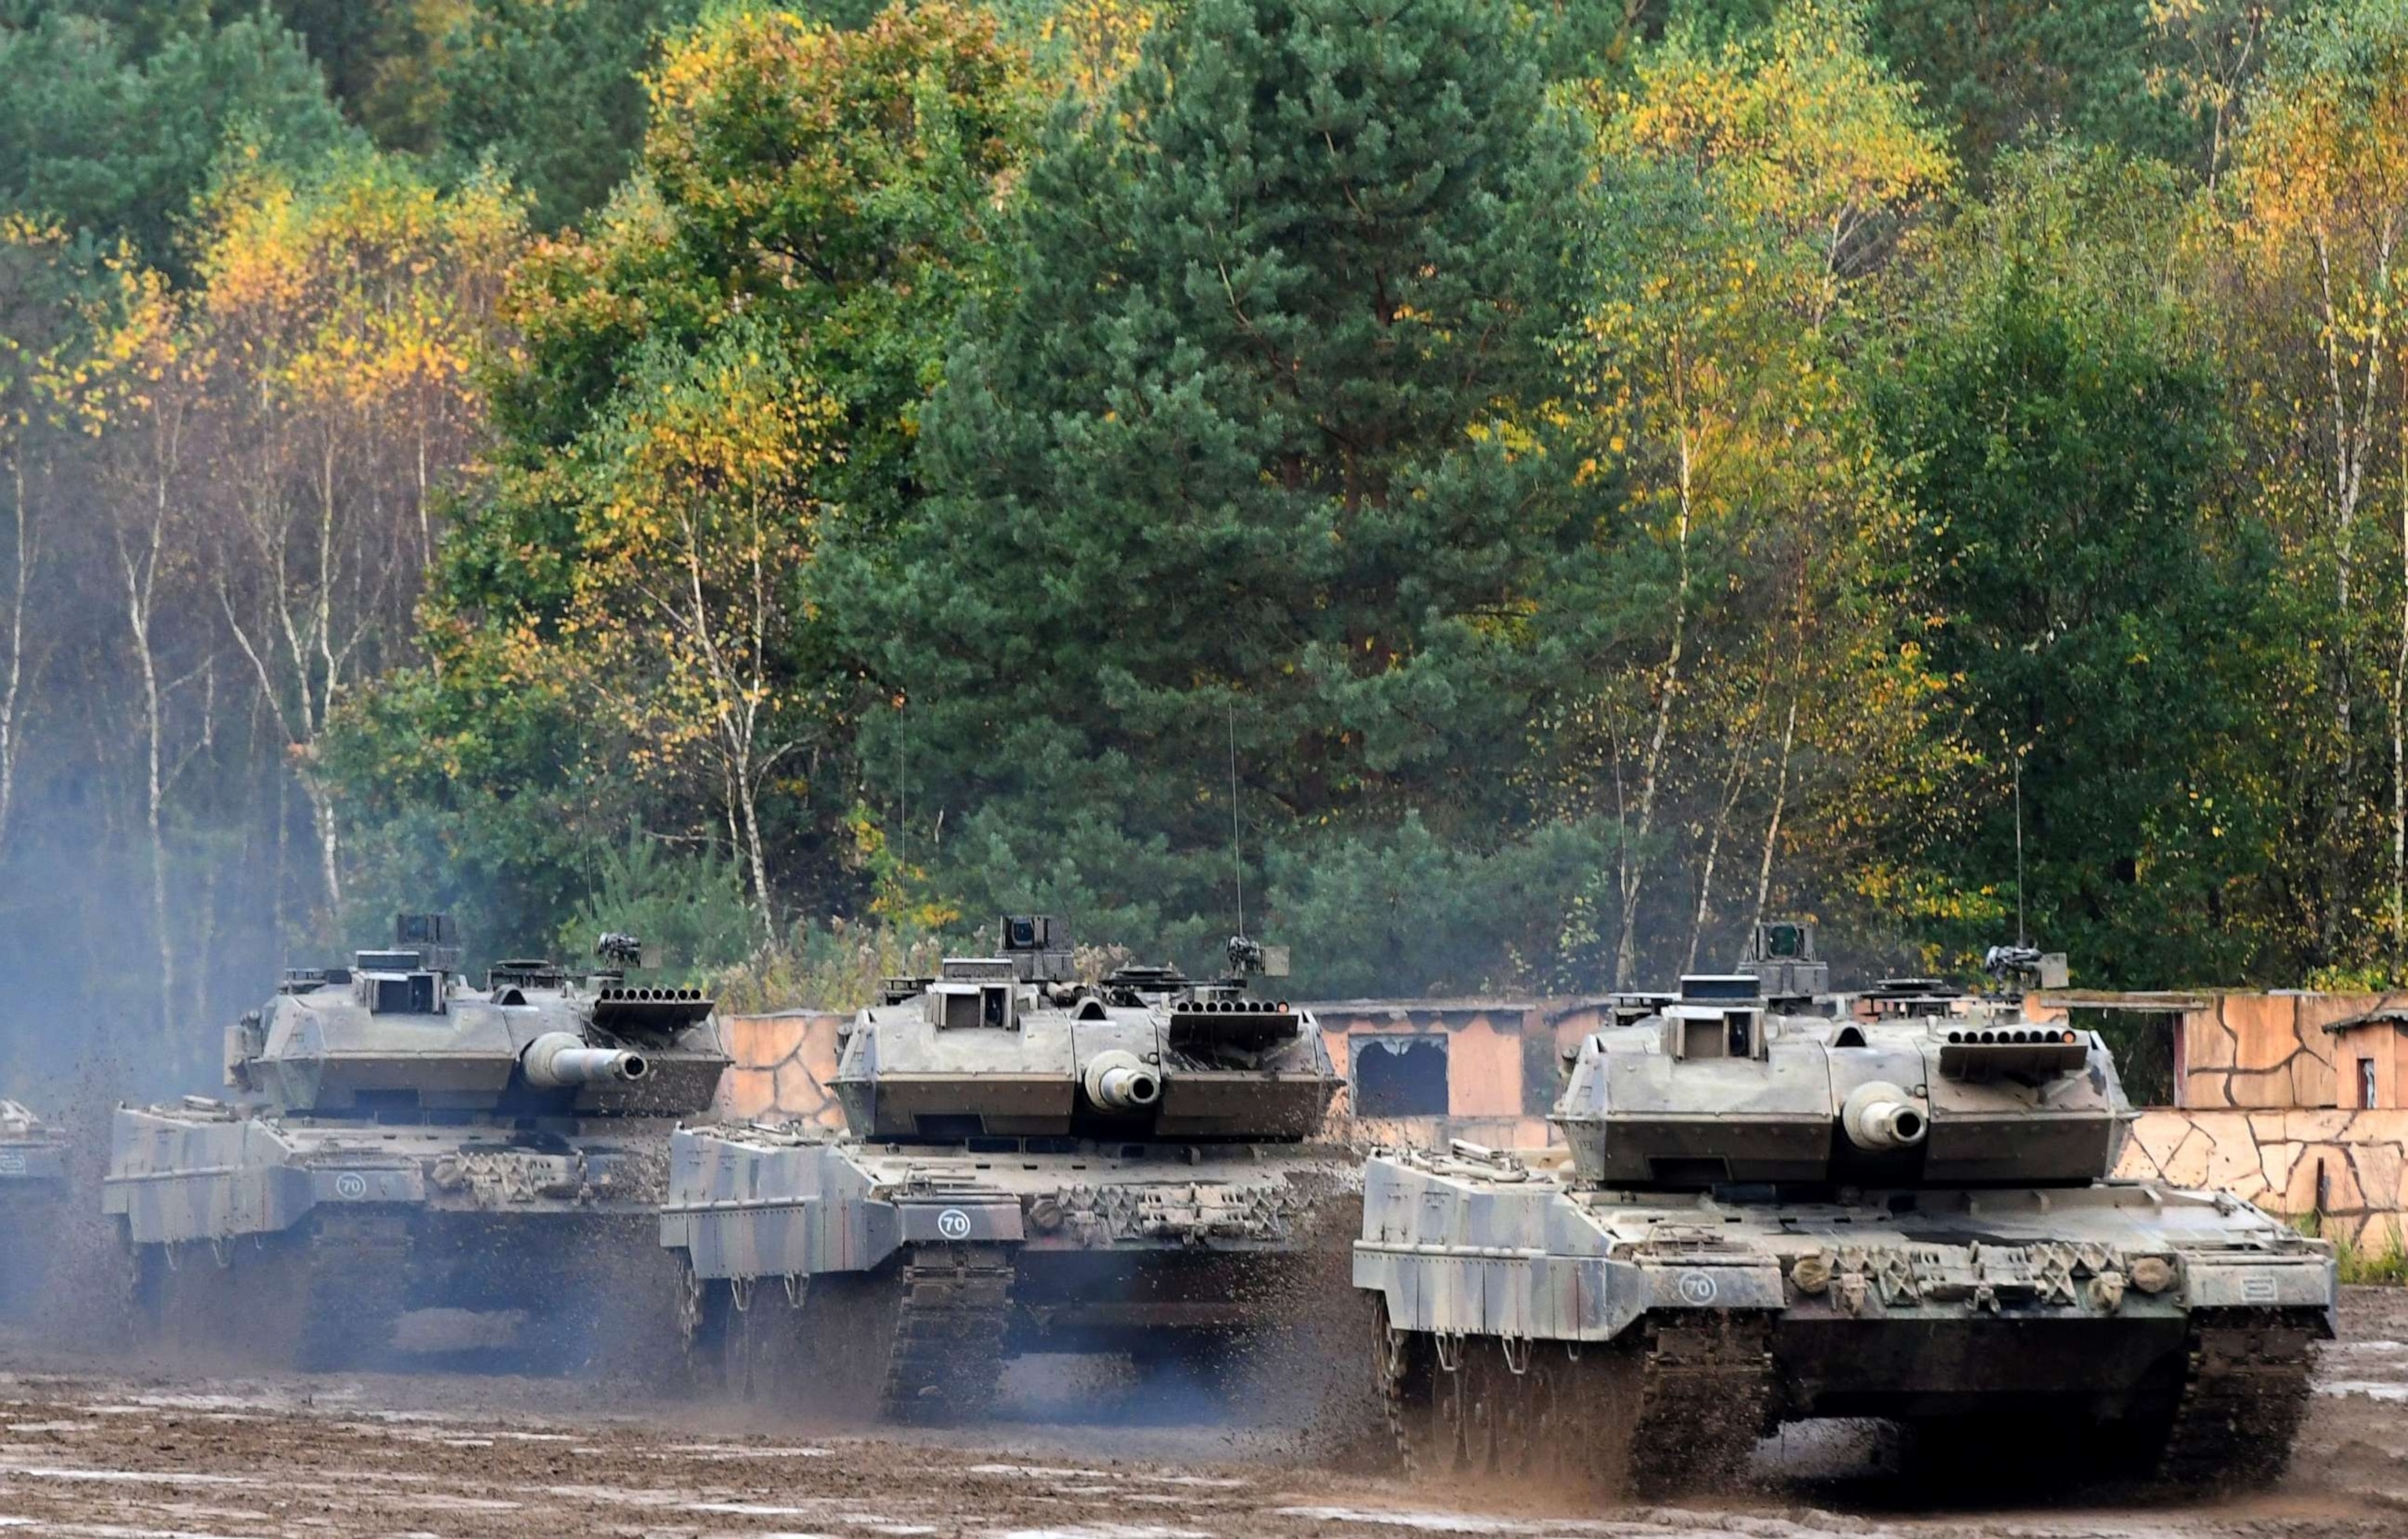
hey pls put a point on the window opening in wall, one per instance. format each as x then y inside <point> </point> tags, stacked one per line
<point>1397,1075</point>
<point>2365,1084</point>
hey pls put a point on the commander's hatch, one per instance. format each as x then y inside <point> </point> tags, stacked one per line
<point>972,993</point>
<point>391,983</point>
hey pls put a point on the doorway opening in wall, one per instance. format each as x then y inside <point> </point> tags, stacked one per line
<point>1397,1075</point>
<point>2146,1044</point>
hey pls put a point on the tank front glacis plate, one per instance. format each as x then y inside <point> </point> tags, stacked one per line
<point>187,1175</point>
<point>29,1162</point>
<point>1496,1248</point>
<point>767,1202</point>
<point>30,1154</point>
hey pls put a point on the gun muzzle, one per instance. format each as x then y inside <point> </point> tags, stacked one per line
<point>1879,1118</point>
<point>558,1059</point>
<point>1118,1082</point>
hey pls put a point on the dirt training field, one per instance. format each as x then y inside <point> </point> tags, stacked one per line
<point>130,1451</point>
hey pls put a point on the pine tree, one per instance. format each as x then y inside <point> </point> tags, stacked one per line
<point>1255,459</point>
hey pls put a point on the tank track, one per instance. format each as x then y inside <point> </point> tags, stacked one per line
<point>2245,1392</point>
<point>324,1295</point>
<point>1674,1407</point>
<point>352,1277</point>
<point>29,1215</point>
<point>1399,1361</point>
<point>1705,1389</point>
<point>948,1348</point>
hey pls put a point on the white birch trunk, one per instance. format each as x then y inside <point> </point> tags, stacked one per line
<point>12,741</point>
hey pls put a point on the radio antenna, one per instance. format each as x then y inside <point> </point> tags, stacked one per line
<point>1237,846</point>
<point>2019,851</point>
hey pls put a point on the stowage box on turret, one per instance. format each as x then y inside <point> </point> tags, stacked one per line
<point>404,1145</point>
<point>1773,1205</point>
<point>33,1196</point>
<point>1031,1164</point>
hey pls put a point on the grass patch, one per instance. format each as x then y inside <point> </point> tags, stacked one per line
<point>2382,1262</point>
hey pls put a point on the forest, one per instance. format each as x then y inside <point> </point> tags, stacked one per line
<point>1493,495</point>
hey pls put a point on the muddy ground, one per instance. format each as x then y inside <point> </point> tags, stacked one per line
<point>129,1450</point>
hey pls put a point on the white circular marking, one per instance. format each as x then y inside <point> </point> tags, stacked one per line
<point>953,1224</point>
<point>351,1184</point>
<point>1696,1287</point>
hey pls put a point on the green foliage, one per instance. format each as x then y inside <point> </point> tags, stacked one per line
<point>1391,911</point>
<point>477,793</point>
<point>2005,73</point>
<point>1254,451</point>
<point>835,967</point>
<point>380,62</point>
<point>2385,1262</point>
<point>552,91</point>
<point>1586,474</point>
<point>815,198</point>
<point>2376,1256</point>
<point>103,138</point>
<point>689,905</point>
<point>2060,439</point>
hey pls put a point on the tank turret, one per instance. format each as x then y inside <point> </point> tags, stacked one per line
<point>405,1140</point>
<point>1014,1045</point>
<point>1747,1078</point>
<point>400,1033</point>
<point>1777,1204</point>
<point>1030,1163</point>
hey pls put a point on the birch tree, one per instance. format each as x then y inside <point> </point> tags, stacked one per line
<point>2321,179</point>
<point>697,529</point>
<point>140,401</point>
<point>31,357</point>
<point>342,318</point>
<point>1744,189</point>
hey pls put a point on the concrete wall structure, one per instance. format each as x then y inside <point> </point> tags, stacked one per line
<point>2274,1050</point>
<point>1489,1046</point>
<point>2350,1166</point>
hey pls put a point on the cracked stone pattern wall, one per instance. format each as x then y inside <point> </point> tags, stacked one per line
<point>2275,1158</point>
<point>2265,1051</point>
<point>782,1069</point>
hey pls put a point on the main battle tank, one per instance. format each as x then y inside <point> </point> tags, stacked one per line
<point>418,1166</point>
<point>1771,1206</point>
<point>32,1194</point>
<point>1032,1164</point>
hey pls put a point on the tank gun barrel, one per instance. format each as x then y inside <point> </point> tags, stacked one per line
<point>558,1059</point>
<point>1118,1082</point>
<point>1881,1116</point>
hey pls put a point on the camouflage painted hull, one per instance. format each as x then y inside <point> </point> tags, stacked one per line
<point>2118,1306</point>
<point>331,1244</point>
<point>947,1260</point>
